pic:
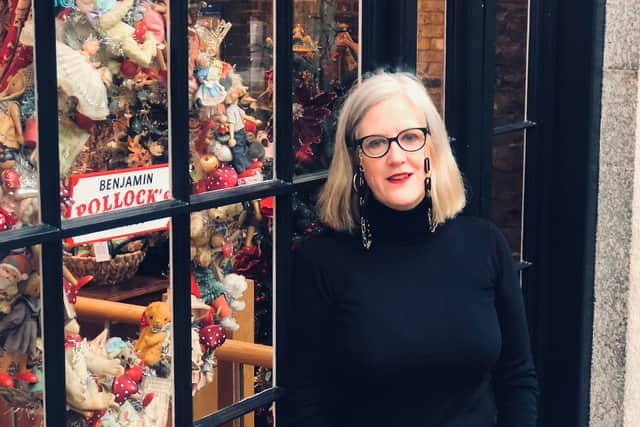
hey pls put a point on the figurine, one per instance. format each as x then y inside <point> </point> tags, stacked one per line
<point>20,328</point>
<point>13,269</point>
<point>11,138</point>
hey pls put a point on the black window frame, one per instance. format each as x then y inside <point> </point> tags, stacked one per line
<point>562,353</point>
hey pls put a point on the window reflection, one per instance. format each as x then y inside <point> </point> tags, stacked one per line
<point>325,66</point>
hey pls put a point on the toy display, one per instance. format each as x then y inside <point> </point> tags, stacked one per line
<point>113,380</point>
<point>19,205</point>
<point>112,87</point>
<point>20,331</point>
<point>325,66</point>
<point>229,245</point>
<point>230,108</point>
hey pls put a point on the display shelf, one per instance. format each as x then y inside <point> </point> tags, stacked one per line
<point>136,287</point>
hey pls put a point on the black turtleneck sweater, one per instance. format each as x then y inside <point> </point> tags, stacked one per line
<point>424,329</point>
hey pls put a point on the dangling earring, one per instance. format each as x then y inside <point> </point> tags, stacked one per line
<point>361,189</point>
<point>431,224</point>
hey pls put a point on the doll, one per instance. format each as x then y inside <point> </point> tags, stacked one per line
<point>210,92</point>
<point>78,78</point>
<point>20,329</point>
<point>238,141</point>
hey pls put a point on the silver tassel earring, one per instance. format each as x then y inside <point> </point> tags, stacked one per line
<point>431,223</point>
<point>361,189</point>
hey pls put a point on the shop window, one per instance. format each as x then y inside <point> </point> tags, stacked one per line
<point>430,60</point>
<point>306,221</point>
<point>507,187</point>
<point>232,305</point>
<point>512,17</point>
<point>21,363</point>
<point>19,201</point>
<point>231,83</point>
<point>112,104</point>
<point>326,50</point>
<point>118,316</point>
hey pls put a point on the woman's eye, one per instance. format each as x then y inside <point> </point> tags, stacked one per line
<point>376,143</point>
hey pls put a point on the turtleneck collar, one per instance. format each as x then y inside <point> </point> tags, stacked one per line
<point>388,224</point>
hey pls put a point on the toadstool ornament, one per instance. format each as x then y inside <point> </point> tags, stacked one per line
<point>123,388</point>
<point>135,372</point>
<point>212,336</point>
<point>224,177</point>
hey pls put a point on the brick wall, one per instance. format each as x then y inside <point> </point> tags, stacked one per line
<point>430,59</point>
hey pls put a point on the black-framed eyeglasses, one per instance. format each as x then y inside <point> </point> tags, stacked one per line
<point>375,146</point>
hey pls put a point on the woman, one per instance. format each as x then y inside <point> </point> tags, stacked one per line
<point>405,314</point>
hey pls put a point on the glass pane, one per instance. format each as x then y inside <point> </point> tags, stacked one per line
<point>306,221</point>
<point>232,288</point>
<point>230,93</point>
<point>507,187</point>
<point>431,48</point>
<point>21,379</point>
<point>511,60</point>
<point>325,66</point>
<point>19,202</point>
<point>112,105</point>
<point>118,344</point>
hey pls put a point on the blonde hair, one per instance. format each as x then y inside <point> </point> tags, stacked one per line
<point>336,200</point>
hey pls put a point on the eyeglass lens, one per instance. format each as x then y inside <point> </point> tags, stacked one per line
<point>408,140</point>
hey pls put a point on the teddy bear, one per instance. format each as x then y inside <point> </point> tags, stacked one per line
<point>155,323</point>
<point>200,236</point>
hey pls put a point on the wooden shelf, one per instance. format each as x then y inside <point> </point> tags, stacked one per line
<point>136,287</point>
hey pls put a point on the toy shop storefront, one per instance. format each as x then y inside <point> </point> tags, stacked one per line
<point>151,197</point>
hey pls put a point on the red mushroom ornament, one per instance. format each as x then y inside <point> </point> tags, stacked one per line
<point>212,336</point>
<point>123,387</point>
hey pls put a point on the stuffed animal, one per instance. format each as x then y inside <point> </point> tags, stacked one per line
<point>200,235</point>
<point>234,286</point>
<point>83,364</point>
<point>112,25</point>
<point>155,323</point>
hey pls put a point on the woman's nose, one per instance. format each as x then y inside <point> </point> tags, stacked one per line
<point>396,154</point>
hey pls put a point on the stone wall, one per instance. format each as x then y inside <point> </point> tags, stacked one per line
<point>615,366</point>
